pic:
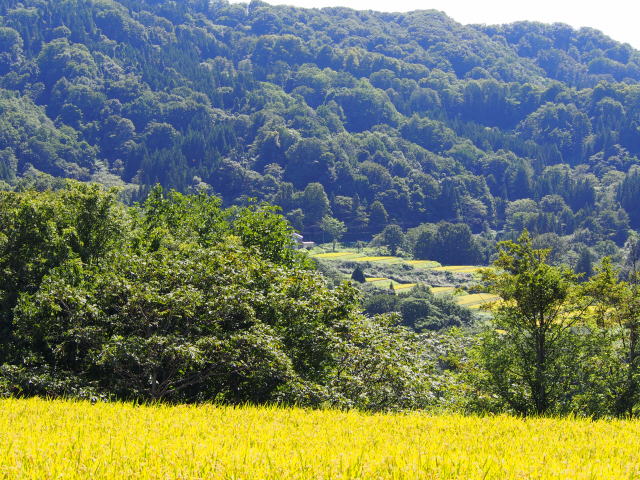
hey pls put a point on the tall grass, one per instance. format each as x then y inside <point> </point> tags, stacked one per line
<point>42,439</point>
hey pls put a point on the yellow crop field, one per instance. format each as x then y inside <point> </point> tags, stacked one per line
<point>403,286</point>
<point>332,254</point>
<point>476,300</point>
<point>42,439</point>
<point>396,285</point>
<point>458,269</point>
<point>376,259</point>
<point>437,290</point>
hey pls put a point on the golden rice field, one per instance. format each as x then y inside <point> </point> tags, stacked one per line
<point>476,300</point>
<point>386,281</point>
<point>438,290</point>
<point>404,286</point>
<point>376,259</point>
<point>458,269</point>
<point>361,257</point>
<point>333,254</point>
<point>67,440</point>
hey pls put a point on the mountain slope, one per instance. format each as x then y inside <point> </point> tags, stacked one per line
<point>373,118</point>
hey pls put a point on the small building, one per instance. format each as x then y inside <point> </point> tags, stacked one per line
<point>300,243</point>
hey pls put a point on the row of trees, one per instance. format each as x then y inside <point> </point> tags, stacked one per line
<point>178,299</point>
<point>556,345</point>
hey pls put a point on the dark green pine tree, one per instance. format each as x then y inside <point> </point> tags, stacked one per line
<point>358,275</point>
<point>584,265</point>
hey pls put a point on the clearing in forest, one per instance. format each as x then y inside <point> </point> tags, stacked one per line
<point>474,301</point>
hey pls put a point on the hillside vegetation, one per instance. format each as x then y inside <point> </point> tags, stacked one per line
<point>181,300</point>
<point>369,118</point>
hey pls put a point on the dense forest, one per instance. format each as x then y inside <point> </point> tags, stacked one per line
<point>179,299</point>
<point>363,118</point>
<point>157,157</point>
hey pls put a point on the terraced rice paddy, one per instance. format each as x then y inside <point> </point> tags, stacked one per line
<point>386,281</point>
<point>404,286</point>
<point>422,263</point>
<point>348,255</point>
<point>334,255</point>
<point>377,259</point>
<point>476,300</point>
<point>458,268</point>
<point>438,290</point>
<point>42,439</point>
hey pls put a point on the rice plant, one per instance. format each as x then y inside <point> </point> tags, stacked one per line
<point>43,439</point>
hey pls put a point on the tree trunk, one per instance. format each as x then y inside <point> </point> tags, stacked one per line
<point>632,385</point>
<point>539,383</point>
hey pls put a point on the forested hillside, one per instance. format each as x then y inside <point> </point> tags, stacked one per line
<point>369,118</point>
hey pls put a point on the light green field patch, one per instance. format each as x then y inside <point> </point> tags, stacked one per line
<point>422,263</point>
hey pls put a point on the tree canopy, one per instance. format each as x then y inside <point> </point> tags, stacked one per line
<point>370,118</point>
<point>178,299</point>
